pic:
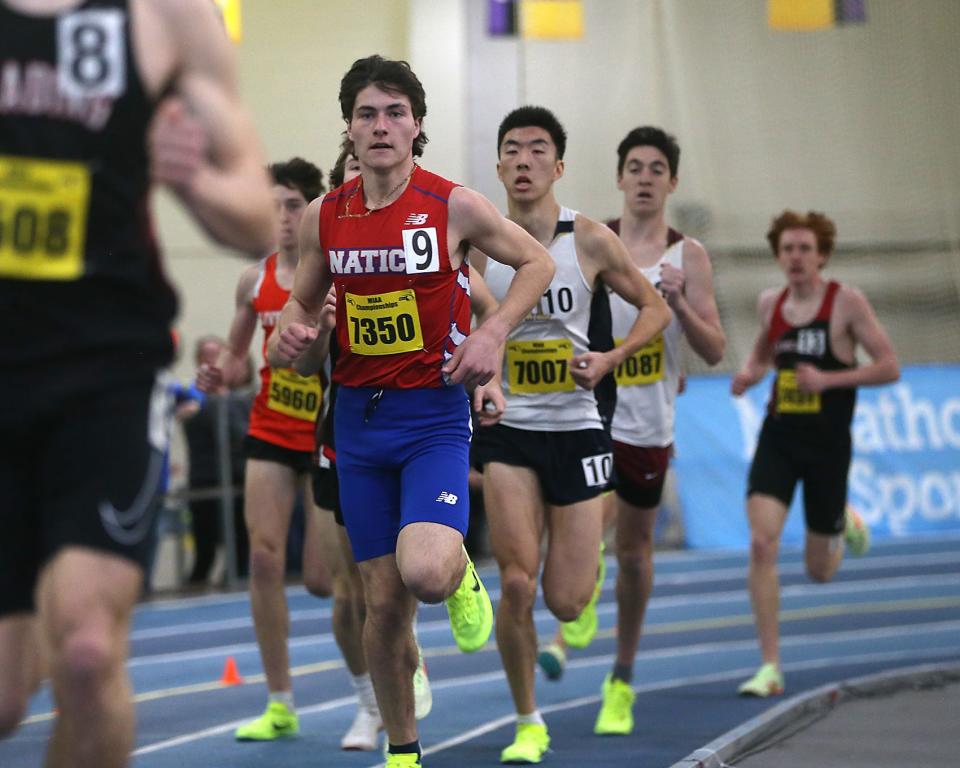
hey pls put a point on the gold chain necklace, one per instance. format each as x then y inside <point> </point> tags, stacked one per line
<point>379,203</point>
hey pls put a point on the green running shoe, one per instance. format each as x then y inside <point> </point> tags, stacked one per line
<point>856,534</point>
<point>529,745</point>
<point>579,633</point>
<point>768,681</point>
<point>278,721</point>
<point>471,614</point>
<point>402,760</point>
<point>616,712</point>
<point>422,695</point>
<point>552,661</point>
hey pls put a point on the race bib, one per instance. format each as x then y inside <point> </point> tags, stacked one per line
<point>596,469</point>
<point>540,366</point>
<point>645,366</point>
<point>383,324</point>
<point>294,395</point>
<point>792,400</point>
<point>43,217</point>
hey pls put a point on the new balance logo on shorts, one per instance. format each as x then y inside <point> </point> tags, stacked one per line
<point>447,498</point>
<point>415,220</point>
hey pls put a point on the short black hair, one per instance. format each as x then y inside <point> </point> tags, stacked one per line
<point>391,76</point>
<point>650,136</point>
<point>298,174</point>
<point>534,117</point>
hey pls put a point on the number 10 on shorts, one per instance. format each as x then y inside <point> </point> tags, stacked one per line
<point>596,469</point>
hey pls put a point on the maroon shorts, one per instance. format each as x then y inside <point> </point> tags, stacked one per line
<point>641,473</point>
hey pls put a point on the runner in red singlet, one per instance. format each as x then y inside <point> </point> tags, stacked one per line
<point>394,243</point>
<point>279,449</point>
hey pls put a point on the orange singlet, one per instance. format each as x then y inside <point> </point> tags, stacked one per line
<point>285,410</point>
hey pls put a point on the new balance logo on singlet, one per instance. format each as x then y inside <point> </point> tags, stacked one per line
<point>447,498</point>
<point>416,219</point>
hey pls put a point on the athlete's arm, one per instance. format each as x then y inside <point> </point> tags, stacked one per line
<point>863,328</point>
<point>298,326</point>
<point>231,368</point>
<point>488,399</point>
<point>203,145</point>
<point>611,263</point>
<point>761,356</point>
<point>689,292</point>
<point>482,303</point>
<point>473,220</point>
<point>312,360</point>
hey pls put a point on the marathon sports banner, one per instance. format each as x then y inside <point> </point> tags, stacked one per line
<point>904,477</point>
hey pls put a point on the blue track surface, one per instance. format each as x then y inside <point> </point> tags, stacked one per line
<point>897,607</point>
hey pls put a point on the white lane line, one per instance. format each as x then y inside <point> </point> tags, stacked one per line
<point>660,580</point>
<point>677,682</point>
<point>593,661</point>
<point>657,604</point>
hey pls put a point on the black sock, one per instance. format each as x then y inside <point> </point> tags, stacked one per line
<point>412,748</point>
<point>622,672</point>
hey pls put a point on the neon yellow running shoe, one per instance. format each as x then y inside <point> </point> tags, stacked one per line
<point>579,633</point>
<point>402,760</point>
<point>471,614</point>
<point>552,660</point>
<point>529,745</point>
<point>422,695</point>
<point>767,682</point>
<point>278,721</point>
<point>616,712</point>
<point>856,534</point>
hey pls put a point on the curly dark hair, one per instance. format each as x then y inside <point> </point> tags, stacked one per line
<point>298,174</point>
<point>390,76</point>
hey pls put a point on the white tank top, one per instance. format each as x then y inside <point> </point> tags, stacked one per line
<point>541,395</point>
<point>647,381</point>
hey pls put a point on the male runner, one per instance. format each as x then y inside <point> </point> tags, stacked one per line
<point>82,285</point>
<point>809,331</point>
<point>279,449</point>
<point>548,461</point>
<point>648,382</point>
<point>393,242</point>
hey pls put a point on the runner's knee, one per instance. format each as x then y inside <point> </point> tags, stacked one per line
<point>85,659</point>
<point>518,588</point>
<point>567,603</point>
<point>764,548</point>
<point>266,563</point>
<point>429,580</point>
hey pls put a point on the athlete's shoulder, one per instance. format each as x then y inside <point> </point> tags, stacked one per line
<point>347,188</point>
<point>592,237</point>
<point>850,298</point>
<point>432,185</point>
<point>766,301</point>
<point>692,251</point>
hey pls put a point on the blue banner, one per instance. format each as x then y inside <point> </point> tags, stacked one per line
<point>904,477</point>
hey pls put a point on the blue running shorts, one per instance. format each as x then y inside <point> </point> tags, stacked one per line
<point>403,456</point>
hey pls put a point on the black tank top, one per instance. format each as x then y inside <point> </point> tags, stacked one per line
<point>80,275</point>
<point>808,343</point>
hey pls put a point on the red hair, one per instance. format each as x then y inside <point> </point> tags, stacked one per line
<point>820,224</point>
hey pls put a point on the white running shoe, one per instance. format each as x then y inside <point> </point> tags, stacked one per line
<point>364,733</point>
<point>422,695</point>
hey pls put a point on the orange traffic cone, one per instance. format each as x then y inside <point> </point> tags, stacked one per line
<point>230,674</point>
